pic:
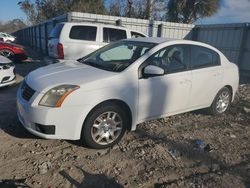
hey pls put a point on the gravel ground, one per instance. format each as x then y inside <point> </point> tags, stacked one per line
<point>160,153</point>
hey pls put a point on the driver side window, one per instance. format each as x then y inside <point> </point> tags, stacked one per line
<point>172,59</point>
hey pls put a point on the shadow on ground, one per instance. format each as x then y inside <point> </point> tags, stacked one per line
<point>91,180</point>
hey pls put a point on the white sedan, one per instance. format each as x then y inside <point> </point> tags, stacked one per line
<point>6,37</point>
<point>99,97</point>
<point>7,72</point>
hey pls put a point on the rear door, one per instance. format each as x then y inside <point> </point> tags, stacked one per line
<point>54,40</point>
<point>80,41</point>
<point>206,76</point>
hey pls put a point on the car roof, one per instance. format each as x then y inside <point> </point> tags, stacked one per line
<point>160,40</point>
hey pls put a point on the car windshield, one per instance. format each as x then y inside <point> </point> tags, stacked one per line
<point>117,56</point>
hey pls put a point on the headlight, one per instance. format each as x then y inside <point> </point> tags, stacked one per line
<point>55,96</point>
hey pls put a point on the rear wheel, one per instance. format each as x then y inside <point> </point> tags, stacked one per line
<point>221,102</point>
<point>105,126</point>
<point>7,53</point>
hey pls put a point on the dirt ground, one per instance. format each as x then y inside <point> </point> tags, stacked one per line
<point>158,154</point>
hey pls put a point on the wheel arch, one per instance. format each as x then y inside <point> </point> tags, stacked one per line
<point>231,90</point>
<point>8,50</point>
<point>118,102</point>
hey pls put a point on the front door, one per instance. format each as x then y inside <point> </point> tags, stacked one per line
<point>168,93</point>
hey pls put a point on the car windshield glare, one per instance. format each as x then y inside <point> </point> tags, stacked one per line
<point>117,56</point>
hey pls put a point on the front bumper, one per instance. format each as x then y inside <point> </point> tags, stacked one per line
<point>47,122</point>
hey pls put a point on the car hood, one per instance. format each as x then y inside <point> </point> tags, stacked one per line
<point>67,72</point>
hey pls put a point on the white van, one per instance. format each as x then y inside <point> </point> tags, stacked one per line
<point>74,40</point>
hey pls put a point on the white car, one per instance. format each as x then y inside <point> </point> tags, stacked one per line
<point>6,37</point>
<point>74,40</point>
<point>100,96</point>
<point>7,72</point>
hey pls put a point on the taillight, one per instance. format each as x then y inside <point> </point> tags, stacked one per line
<point>60,51</point>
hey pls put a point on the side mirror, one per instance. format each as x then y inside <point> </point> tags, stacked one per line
<point>152,70</point>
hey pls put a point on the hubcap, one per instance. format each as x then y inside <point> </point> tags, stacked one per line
<point>106,128</point>
<point>223,102</point>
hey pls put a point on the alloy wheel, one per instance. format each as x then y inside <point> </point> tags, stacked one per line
<point>223,101</point>
<point>106,128</point>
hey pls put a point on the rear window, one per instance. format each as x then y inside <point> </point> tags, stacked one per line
<point>83,33</point>
<point>55,33</point>
<point>111,35</point>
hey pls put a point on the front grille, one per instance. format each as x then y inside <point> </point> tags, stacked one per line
<point>27,91</point>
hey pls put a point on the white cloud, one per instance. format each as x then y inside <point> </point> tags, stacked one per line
<point>232,11</point>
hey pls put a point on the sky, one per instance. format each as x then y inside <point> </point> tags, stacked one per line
<point>9,9</point>
<point>231,11</point>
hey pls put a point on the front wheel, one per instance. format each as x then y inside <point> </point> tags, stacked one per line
<point>104,126</point>
<point>221,102</point>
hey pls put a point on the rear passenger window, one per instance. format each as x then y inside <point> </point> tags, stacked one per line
<point>83,33</point>
<point>202,57</point>
<point>136,35</point>
<point>110,35</point>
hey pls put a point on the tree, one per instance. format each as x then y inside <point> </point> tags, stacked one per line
<point>42,10</point>
<point>12,25</point>
<point>188,11</point>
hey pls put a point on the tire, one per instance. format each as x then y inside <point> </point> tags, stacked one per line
<point>221,102</point>
<point>104,126</point>
<point>7,53</point>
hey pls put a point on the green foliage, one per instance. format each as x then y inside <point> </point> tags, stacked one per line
<point>42,10</point>
<point>144,9</point>
<point>183,11</point>
<point>188,11</point>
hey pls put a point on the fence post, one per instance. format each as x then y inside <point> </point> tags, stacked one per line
<point>150,28</point>
<point>243,44</point>
<point>160,30</point>
<point>46,37</point>
<point>40,38</point>
<point>35,37</point>
<point>32,36</point>
<point>195,32</point>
